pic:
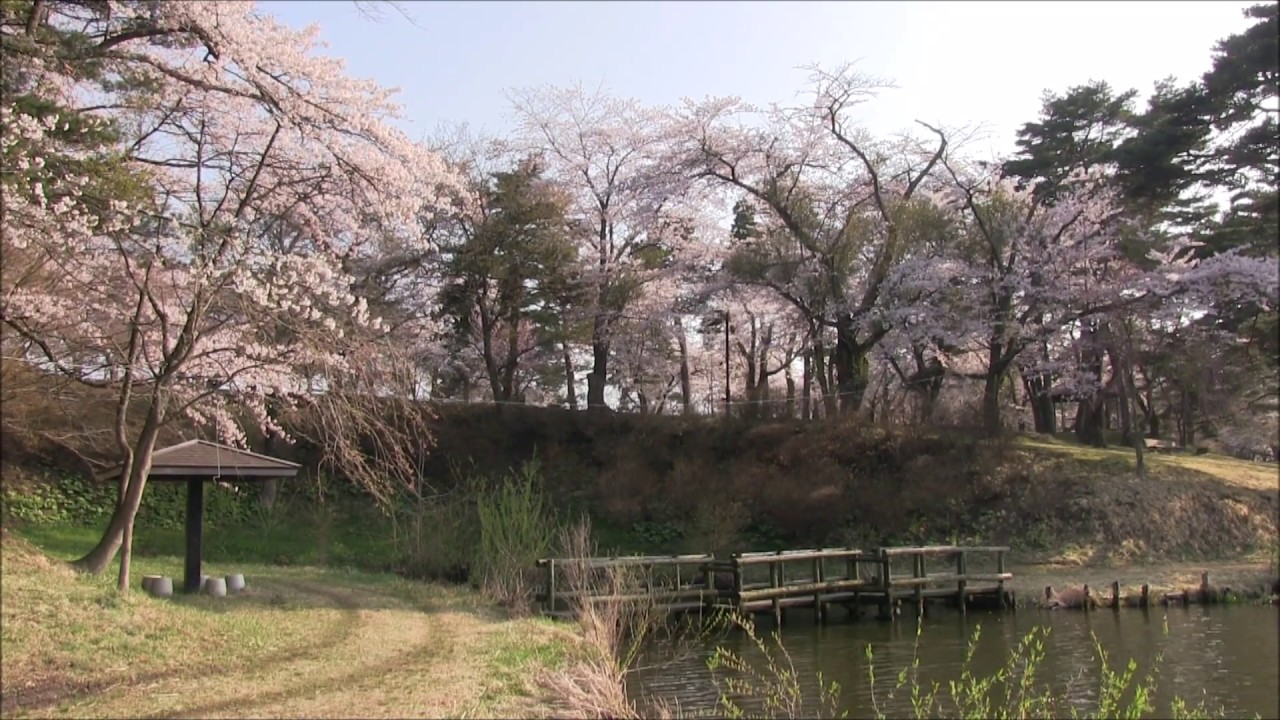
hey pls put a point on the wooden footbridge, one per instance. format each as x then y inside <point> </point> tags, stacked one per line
<point>773,582</point>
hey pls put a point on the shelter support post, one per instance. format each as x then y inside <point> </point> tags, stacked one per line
<point>195,524</point>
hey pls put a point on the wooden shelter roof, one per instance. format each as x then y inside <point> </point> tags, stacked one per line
<point>211,461</point>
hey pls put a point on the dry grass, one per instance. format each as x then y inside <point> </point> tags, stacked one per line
<point>593,685</point>
<point>300,642</point>
<point>1087,507</point>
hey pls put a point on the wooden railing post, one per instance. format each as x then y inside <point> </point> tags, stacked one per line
<point>551,586</point>
<point>1000,582</point>
<point>918,573</point>
<point>961,570</point>
<point>886,585</point>
<point>738,583</point>
<point>819,613</point>
<point>775,581</point>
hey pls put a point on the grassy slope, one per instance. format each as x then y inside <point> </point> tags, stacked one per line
<point>300,642</point>
<point>1207,502</point>
<point>1187,507</point>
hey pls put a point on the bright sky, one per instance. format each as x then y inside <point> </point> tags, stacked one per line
<point>955,63</point>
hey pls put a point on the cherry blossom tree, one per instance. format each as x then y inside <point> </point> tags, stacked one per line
<point>607,153</point>
<point>832,197</point>
<point>1020,271</point>
<point>267,178</point>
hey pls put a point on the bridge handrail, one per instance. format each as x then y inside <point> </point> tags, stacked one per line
<point>941,550</point>
<point>624,560</point>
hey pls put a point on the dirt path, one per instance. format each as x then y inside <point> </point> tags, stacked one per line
<point>301,642</point>
<point>393,660</point>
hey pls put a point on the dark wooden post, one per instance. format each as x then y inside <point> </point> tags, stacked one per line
<point>1000,583</point>
<point>738,582</point>
<point>1115,594</point>
<point>819,612</point>
<point>855,609</point>
<point>195,524</point>
<point>960,584</point>
<point>1144,600</point>
<point>775,581</point>
<point>918,573</point>
<point>886,583</point>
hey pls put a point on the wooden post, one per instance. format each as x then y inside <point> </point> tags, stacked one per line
<point>737,582</point>
<point>1087,599</point>
<point>775,571</point>
<point>1000,583</point>
<point>819,612</point>
<point>1144,598</point>
<point>1115,594</point>
<point>918,572</point>
<point>1204,588</point>
<point>960,584</point>
<point>886,577</point>
<point>551,585</point>
<point>195,526</point>
<point>854,574</point>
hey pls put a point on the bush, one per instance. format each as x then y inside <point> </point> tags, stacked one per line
<point>64,498</point>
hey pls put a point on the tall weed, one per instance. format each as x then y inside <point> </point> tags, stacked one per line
<point>517,527</point>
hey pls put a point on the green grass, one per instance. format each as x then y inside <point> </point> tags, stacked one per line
<point>300,641</point>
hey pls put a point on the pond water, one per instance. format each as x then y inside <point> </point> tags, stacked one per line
<point>1223,656</point>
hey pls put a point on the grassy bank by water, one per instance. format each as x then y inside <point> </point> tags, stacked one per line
<point>301,641</point>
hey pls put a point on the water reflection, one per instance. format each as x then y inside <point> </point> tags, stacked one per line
<point>1224,656</point>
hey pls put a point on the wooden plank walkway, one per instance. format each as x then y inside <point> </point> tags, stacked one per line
<point>772,582</point>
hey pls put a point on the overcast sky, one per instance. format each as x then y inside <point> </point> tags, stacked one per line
<point>956,63</point>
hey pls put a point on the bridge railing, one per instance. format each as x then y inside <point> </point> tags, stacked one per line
<point>664,579</point>
<point>787,578</point>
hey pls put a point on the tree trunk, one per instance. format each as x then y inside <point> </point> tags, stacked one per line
<point>991,403</point>
<point>686,383</point>
<point>1091,414</point>
<point>791,392</point>
<point>1186,420</point>
<point>1042,405</point>
<point>1089,422</point>
<point>120,528</point>
<point>821,371</point>
<point>599,373</point>
<point>570,384</point>
<point>852,368</point>
<point>806,385</point>
<point>997,365</point>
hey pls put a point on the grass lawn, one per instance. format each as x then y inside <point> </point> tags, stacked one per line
<point>299,642</point>
<point>1228,470</point>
